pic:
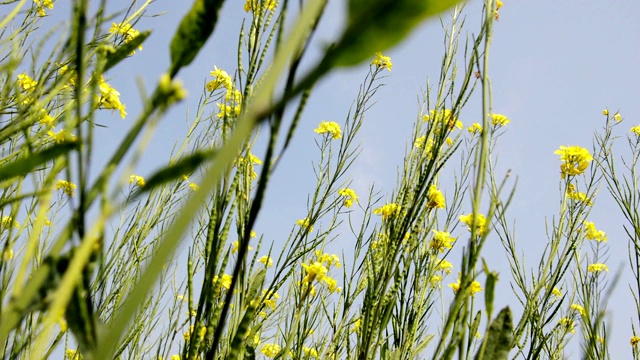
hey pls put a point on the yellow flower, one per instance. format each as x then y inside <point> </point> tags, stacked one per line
<point>556,292</point>
<point>110,98</point>
<point>252,234</point>
<point>222,79</point>
<point>446,117</point>
<point>175,357</point>
<point>597,268</point>
<point>26,82</point>
<point>270,350</point>
<point>473,288</point>
<point>350,196</point>
<point>310,352</point>
<point>388,211</point>
<point>481,222</point>
<point>499,120</point>
<point>66,186</point>
<point>568,324</point>
<point>579,309</point>
<point>441,240</point>
<point>578,196</point>
<point>592,233</point>
<point>266,260</point>
<point>328,259</point>
<point>381,61</point>
<point>7,222</point>
<point>605,112</point>
<point>444,265</point>
<point>315,271</point>
<point>235,245</point>
<point>424,143</point>
<point>44,118</point>
<point>72,354</point>
<point>224,281</point>
<point>435,280</point>
<point>356,326</point>
<point>332,284</point>
<point>498,4</point>
<point>194,187</point>
<point>435,198</point>
<point>617,117</point>
<point>331,127</point>
<point>127,31</point>
<point>305,224</point>
<point>270,298</point>
<point>228,111</point>
<point>256,5</point>
<point>7,254</point>
<point>635,340</point>
<point>635,130</point>
<point>475,128</point>
<point>61,136</point>
<point>575,159</point>
<point>42,4</point>
<point>138,180</point>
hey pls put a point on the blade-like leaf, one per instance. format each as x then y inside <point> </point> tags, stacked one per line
<point>123,51</point>
<point>498,340</point>
<point>23,166</point>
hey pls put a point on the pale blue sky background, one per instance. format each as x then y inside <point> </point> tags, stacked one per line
<point>554,66</point>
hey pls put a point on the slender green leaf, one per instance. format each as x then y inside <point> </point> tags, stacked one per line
<point>498,340</point>
<point>25,165</point>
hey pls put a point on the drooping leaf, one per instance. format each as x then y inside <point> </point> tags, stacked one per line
<point>498,340</point>
<point>193,32</point>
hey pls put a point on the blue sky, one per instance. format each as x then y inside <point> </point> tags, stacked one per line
<point>555,65</point>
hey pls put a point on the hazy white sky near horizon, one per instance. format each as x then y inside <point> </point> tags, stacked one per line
<point>555,65</point>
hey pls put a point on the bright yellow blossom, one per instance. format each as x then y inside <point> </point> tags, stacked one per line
<point>579,309</point>
<point>475,128</point>
<point>445,116</point>
<point>221,79</point>
<point>350,196</point>
<point>556,292</point>
<point>271,350</point>
<point>444,265</point>
<point>228,111</point>
<point>568,324</point>
<point>266,260</point>
<point>26,82</point>
<point>110,98</point>
<point>224,281</point>
<point>597,268</point>
<point>127,32</point>
<point>7,222</point>
<point>635,130</point>
<point>481,222</point>
<point>635,340</point>
<point>388,211</point>
<point>42,4</point>
<point>575,159</point>
<point>310,352</point>
<point>578,196</point>
<point>605,112</point>
<point>499,120</point>
<point>331,127</point>
<point>315,271</point>
<point>66,186</point>
<point>592,233</point>
<point>617,117</point>
<point>435,198</point>
<point>305,224</point>
<point>61,136</point>
<point>473,288</point>
<point>194,186</point>
<point>441,240</point>
<point>138,180</point>
<point>381,61</point>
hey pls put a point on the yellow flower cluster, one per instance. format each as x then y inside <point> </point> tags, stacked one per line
<point>382,62</point>
<point>499,120</point>
<point>435,199</point>
<point>26,82</point>
<point>388,211</point>
<point>305,224</point>
<point>317,271</point>
<point>41,4</point>
<point>61,136</point>
<point>568,324</point>
<point>578,196</point>
<point>233,98</point>
<point>271,350</point>
<point>592,233</point>
<point>481,222</point>
<point>330,127</point>
<point>635,340</point>
<point>635,130</point>
<point>138,180</point>
<point>127,31</point>
<point>446,117</point>
<point>473,288</point>
<point>7,222</point>
<point>223,281</point>
<point>579,309</point>
<point>255,5</point>
<point>595,268</point>
<point>266,260</point>
<point>441,240</point>
<point>575,160</point>
<point>350,196</point>
<point>109,98</point>
<point>66,186</point>
<point>475,128</point>
<point>248,162</point>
